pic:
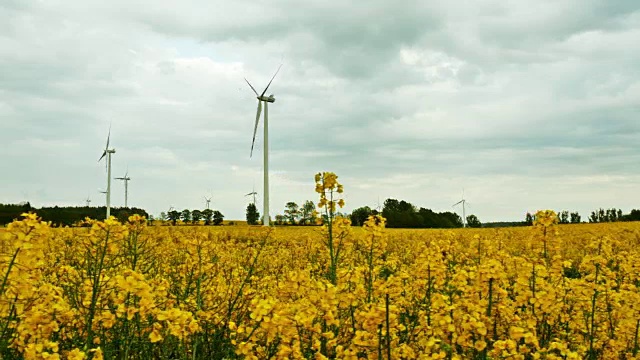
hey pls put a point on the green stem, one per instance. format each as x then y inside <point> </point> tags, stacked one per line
<point>386,304</point>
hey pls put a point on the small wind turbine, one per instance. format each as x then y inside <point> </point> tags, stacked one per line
<point>108,152</point>
<point>266,99</point>
<point>254,193</point>
<point>208,200</point>
<point>126,179</point>
<point>88,200</point>
<point>378,205</point>
<point>464,215</point>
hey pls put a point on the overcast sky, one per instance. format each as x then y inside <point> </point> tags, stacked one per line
<point>525,104</point>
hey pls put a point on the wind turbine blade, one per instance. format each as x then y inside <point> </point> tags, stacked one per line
<point>274,76</point>
<point>457,203</point>
<point>104,153</point>
<point>251,86</point>
<point>255,127</point>
<point>108,137</point>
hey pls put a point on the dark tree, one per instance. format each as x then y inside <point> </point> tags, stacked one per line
<point>185,215</point>
<point>196,215</point>
<point>634,215</point>
<point>528,220</point>
<point>291,212</point>
<point>306,212</point>
<point>473,221</point>
<point>252,214</point>
<point>207,215</point>
<point>217,217</point>
<point>575,218</point>
<point>360,215</point>
<point>173,216</point>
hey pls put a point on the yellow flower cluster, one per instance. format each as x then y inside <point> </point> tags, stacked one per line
<point>327,186</point>
<point>545,218</point>
<point>136,292</point>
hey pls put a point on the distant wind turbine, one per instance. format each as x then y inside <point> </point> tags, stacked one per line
<point>266,99</point>
<point>126,179</point>
<point>378,204</point>
<point>208,200</point>
<point>254,193</point>
<point>108,152</point>
<point>88,200</point>
<point>464,214</point>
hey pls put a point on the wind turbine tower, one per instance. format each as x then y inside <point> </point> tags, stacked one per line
<point>464,215</point>
<point>108,152</point>
<point>126,179</point>
<point>266,99</point>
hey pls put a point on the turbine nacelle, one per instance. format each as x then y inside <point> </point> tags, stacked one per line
<point>269,98</point>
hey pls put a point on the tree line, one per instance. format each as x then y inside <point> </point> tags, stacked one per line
<point>403,214</point>
<point>399,214</point>
<point>597,216</point>
<point>65,215</point>
<point>293,214</point>
<point>210,217</point>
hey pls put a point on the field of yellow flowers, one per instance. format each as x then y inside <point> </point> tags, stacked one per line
<point>132,291</point>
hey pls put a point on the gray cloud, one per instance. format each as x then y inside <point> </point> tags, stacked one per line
<point>525,106</point>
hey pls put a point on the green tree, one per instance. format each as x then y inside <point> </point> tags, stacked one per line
<point>634,215</point>
<point>563,217</point>
<point>360,215</point>
<point>528,219</point>
<point>173,216</point>
<point>217,217</point>
<point>473,221</point>
<point>196,215</point>
<point>575,217</point>
<point>207,215</point>
<point>185,215</point>
<point>306,212</point>
<point>163,216</point>
<point>252,214</point>
<point>291,212</point>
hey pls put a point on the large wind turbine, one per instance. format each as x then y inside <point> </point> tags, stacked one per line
<point>208,201</point>
<point>108,152</point>
<point>266,99</point>
<point>464,215</point>
<point>126,179</point>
